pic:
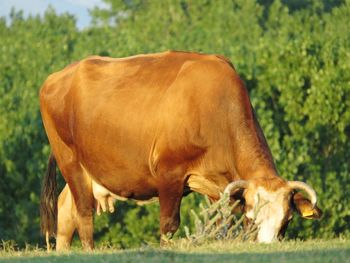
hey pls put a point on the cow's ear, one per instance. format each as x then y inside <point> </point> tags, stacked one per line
<point>304,207</point>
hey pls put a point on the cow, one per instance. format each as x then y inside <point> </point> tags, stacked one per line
<point>158,126</point>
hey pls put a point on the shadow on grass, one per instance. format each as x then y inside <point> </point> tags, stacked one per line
<point>155,256</point>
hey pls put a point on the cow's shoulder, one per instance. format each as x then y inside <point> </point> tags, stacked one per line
<point>209,72</point>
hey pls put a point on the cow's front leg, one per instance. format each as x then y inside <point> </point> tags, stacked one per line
<point>170,196</point>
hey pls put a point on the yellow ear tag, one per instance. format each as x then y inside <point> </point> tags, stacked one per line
<point>307,213</point>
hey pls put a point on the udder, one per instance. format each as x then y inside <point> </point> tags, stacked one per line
<point>103,198</point>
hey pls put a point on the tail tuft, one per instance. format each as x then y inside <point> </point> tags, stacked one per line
<point>48,201</point>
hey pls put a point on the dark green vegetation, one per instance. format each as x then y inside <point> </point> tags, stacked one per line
<point>311,251</point>
<point>293,55</point>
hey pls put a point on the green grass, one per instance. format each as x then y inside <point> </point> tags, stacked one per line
<point>334,250</point>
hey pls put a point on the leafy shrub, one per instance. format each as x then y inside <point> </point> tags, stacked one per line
<point>216,222</point>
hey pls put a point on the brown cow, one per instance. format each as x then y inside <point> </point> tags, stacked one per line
<point>156,126</point>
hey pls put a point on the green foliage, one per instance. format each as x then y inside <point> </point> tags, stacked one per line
<point>293,55</point>
<point>131,226</point>
<point>30,50</point>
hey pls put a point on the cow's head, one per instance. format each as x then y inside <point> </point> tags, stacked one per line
<point>271,209</point>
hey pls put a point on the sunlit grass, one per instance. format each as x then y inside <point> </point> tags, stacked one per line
<point>209,241</point>
<point>334,250</point>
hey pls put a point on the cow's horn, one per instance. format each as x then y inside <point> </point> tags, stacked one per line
<point>234,185</point>
<point>305,187</point>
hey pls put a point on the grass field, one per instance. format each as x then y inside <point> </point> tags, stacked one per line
<point>335,250</point>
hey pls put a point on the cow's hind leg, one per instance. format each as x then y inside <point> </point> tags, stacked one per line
<point>78,181</point>
<point>170,195</point>
<point>65,219</point>
<point>83,203</point>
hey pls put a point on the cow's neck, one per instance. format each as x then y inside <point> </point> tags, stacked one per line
<point>252,156</point>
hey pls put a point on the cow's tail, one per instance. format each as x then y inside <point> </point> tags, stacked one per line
<point>48,201</point>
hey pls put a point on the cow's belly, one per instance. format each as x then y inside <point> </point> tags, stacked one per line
<point>102,193</point>
<point>123,186</point>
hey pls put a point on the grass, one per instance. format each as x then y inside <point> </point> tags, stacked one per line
<point>218,236</point>
<point>210,241</point>
<point>334,250</point>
